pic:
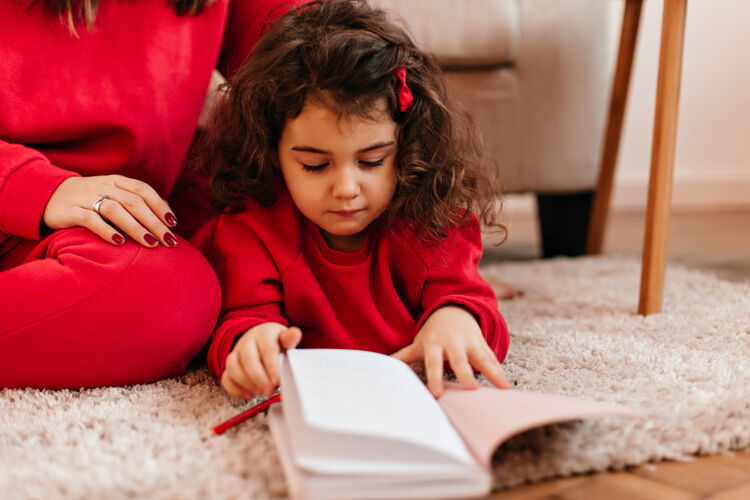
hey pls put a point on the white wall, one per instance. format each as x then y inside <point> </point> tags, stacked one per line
<point>712,163</point>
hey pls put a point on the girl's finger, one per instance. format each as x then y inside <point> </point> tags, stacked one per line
<point>91,221</point>
<point>156,203</point>
<point>488,365</point>
<point>111,211</point>
<point>433,367</point>
<point>232,388</point>
<point>251,364</point>
<point>142,214</point>
<point>236,372</point>
<point>408,354</point>
<point>290,337</point>
<point>268,348</point>
<point>461,367</point>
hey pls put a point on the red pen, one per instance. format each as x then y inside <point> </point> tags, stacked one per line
<point>251,412</point>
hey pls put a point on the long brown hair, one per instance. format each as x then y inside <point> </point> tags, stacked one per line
<point>73,12</point>
<point>344,53</point>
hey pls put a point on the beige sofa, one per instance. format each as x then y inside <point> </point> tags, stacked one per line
<point>535,74</point>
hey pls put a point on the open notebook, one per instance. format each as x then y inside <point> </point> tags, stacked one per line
<point>356,424</point>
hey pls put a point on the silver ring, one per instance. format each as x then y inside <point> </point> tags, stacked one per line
<point>98,203</point>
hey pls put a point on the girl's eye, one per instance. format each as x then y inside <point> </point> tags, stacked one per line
<point>314,168</point>
<point>375,163</point>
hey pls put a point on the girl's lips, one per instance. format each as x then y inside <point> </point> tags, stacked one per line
<point>345,213</point>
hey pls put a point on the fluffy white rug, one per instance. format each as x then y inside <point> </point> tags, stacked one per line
<point>574,332</point>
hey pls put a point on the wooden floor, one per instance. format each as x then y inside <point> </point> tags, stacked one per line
<point>719,242</point>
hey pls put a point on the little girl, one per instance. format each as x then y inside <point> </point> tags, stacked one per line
<point>353,193</point>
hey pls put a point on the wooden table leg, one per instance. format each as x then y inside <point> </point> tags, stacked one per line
<point>662,157</point>
<point>600,210</point>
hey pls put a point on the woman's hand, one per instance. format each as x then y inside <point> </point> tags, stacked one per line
<point>130,205</point>
<point>452,333</point>
<point>252,368</point>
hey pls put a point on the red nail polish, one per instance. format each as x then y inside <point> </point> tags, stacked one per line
<point>170,239</point>
<point>149,239</point>
<point>118,239</point>
<point>170,218</point>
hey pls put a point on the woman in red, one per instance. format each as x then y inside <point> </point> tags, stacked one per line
<point>98,105</point>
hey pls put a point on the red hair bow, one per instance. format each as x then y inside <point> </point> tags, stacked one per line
<point>405,98</point>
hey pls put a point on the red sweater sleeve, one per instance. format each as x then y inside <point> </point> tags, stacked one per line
<point>453,278</point>
<point>27,180</point>
<point>250,280</point>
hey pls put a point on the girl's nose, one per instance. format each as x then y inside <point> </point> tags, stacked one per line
<point>346,184</point>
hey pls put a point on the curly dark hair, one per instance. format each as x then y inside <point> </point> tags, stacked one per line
<point>344,53</point>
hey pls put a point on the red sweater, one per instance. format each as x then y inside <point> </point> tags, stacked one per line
<point>274,265</point>
<point>124,98</point>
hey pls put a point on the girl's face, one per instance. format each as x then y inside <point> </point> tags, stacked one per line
<point>339,172</point>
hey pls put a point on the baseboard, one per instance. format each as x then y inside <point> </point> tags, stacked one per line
<point>711,190</point>
<point>716,190</point>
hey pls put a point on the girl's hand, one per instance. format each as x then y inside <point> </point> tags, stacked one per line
<point>452,332</point>
<point>130,205</point>
<point>252,368</point>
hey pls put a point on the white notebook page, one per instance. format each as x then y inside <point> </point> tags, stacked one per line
<point>372,394</point>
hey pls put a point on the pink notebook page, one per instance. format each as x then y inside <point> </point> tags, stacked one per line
<point>486,417</point>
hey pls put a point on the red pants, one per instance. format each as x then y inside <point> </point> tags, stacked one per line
<point>76,311</point>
